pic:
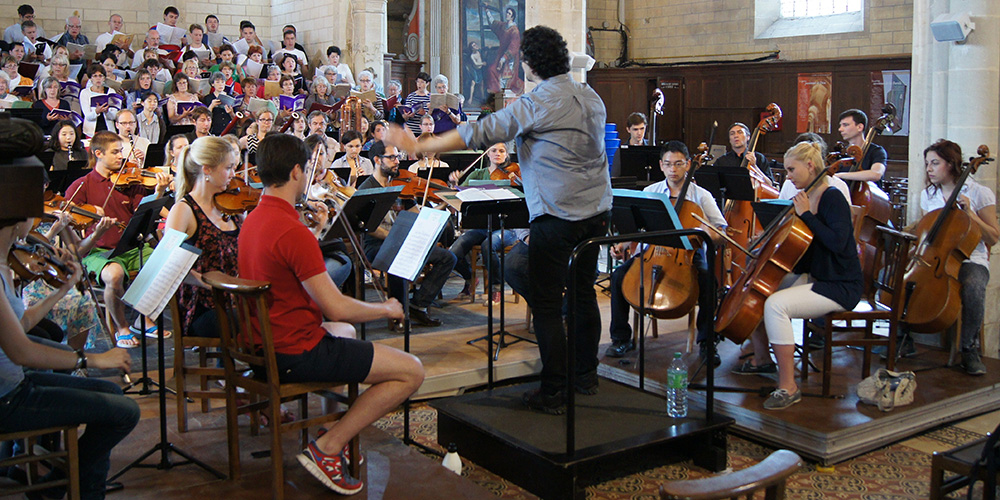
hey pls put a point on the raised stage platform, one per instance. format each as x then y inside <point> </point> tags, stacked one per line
<point>496,431</point>
<point>826,430</point>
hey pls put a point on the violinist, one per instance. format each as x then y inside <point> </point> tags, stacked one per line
<point>441,261</point>
<point>853,123</point>
<point>739,137</point>
<point>827,278</point>
<point>98,188</point>
<point>426,161</point>
<point>338,264</point>
<point>941,164</point>
<point>207,166</point>
<point>173,149</point>
<point>351,142</point>
<point>675,161</point>
<point>568,192</point>
<point>499,161</point>
<point>273,246</point>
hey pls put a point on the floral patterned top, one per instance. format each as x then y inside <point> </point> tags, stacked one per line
<point>218,253</point>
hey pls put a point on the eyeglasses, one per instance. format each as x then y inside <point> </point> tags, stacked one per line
<point>127,123</point>
<point>676,164</point>
<point>73,26</point>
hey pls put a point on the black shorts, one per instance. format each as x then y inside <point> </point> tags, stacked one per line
<point>334,359</point>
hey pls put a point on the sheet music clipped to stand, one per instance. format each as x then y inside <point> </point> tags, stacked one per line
<point>162,274</point>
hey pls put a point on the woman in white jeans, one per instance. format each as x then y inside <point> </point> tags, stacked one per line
<point>826,279</point>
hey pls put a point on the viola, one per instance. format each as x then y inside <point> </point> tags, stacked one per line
<point>36,259</point>
<point>504,174</point>
<point>780,247</point>
<point>82,215</point>
<point>238,198</point>
<point>415,186</point>
<point>740,217</point>
<point>945,238</point>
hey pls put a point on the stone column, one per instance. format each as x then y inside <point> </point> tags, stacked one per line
<point>433,32</point>
<point>568,17</point>
<point>958,83</point>
<point>451,51</point>
<point>369,37</point>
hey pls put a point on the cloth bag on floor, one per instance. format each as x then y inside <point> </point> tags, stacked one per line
<point>887,389</point>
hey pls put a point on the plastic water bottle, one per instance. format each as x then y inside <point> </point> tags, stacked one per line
<point>451,460</point>
<point>677,383</point>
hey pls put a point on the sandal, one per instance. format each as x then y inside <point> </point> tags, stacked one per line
<point>151,332</point>
<point>126,341</point>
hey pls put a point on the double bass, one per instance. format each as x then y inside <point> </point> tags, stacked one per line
<point>740,217</point>
<point>668,274</point>
<point>945,238</point>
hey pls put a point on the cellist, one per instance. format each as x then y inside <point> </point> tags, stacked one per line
<point>941,163</point>
<point>739,137</point>
<point>826,279</point>
<point>853,124</point>
<point>675,160</point>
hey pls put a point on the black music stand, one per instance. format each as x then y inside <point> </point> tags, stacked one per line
<point>507,214</point>
<point>387,254</point>
<point>726,183</point>
<point>59,180</point>
<point>142,224</point>
<point>641,162</point>
<point>635,212</point>
<point>362,213</point>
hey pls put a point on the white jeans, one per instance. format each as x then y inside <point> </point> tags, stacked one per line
<point>794,299</point>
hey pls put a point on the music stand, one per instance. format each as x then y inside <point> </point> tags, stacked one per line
<point>59,180</point>
<point>140,226</point>
<point>641,162</point>
<point>362,213</point>
<point>769,210</point>
<point>507,214</point>
<point>726,183</point>
<point>637,212</point>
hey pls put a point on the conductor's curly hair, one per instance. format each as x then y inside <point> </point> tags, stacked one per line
<point>544,49</point>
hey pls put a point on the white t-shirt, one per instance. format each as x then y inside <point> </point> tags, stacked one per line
<point>980,197</point>
<point>788,190</point>
<point>696,194</point>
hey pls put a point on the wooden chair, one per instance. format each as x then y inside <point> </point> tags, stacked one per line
<point>66,459</point>
<point>891,257</point>
<point>238,339</point>
<point>206,373</point>
<point>970,462</point>
<point>769,475</point>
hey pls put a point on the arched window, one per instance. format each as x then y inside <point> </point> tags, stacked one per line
<point>787,18</point>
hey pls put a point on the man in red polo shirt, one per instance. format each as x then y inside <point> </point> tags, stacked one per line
<point>275,246</point>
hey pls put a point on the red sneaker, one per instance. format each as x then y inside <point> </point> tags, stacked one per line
<point>329,469</point>
<point>346,452</point>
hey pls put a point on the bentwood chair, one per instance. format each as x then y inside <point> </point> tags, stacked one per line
<point>241,342</point>
<point>207,370</point>
<point>66,459</point>
<point>769,476</point>
<point>886,301</point>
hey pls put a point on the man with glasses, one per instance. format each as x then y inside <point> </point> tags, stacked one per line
<point>73,35</point>
<point>126,122</point>
<point>13,32</point>
<point>440,260</point>
<point>674,162</point>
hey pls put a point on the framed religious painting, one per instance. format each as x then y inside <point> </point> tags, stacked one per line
<point>491,42</point>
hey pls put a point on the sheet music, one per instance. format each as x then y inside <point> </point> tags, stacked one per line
<point>171,35</point>
<point>476,194</point>
<point>241,46</point>
<point>418,243</point>
<point>162,274</point>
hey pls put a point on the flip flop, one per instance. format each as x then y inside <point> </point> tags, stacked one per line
<point>126,341</point>
<point>151,332</point>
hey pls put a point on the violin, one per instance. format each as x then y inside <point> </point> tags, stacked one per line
<point>667,273</point>
<point>945,238</point>
<point>781,245</point>
<point>238,198</point>
<point>134,175</point>
<point>740,217</point>
<point>504,173</point>
<point>36,259</point>
<point>415,186</point>
<point>82,215</point>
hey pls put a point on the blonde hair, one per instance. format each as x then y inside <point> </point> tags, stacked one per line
<point>807,152</point>
<point>207,151</point>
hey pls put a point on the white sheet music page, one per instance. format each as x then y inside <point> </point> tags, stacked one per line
<point>162,274</point>
<point>418,243</point>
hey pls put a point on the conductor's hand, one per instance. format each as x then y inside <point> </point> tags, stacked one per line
<point>402,138</point>
<point>393,309</point>
<point>115,358</point>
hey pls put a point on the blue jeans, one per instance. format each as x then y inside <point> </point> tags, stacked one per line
<point>552,243</point>
<point>973,278</point>
<point>515,271</point>
<point>51,400</point>
<point>461,248</point>
<point>441,262</point>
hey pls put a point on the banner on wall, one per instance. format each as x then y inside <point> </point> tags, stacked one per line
<point>815,96</point>
<point>892,87</point>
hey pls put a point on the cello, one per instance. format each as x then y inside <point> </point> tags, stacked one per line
<point>668,273</point>
<point>874,202</point>
<point>945,238</point>
<point>780,247</point>
<point>739,214</point>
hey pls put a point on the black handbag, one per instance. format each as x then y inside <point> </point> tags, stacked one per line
<point>19,137</point>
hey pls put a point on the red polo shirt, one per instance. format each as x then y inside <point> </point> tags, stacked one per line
<point>121,205</point>
<point>275,246</point>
